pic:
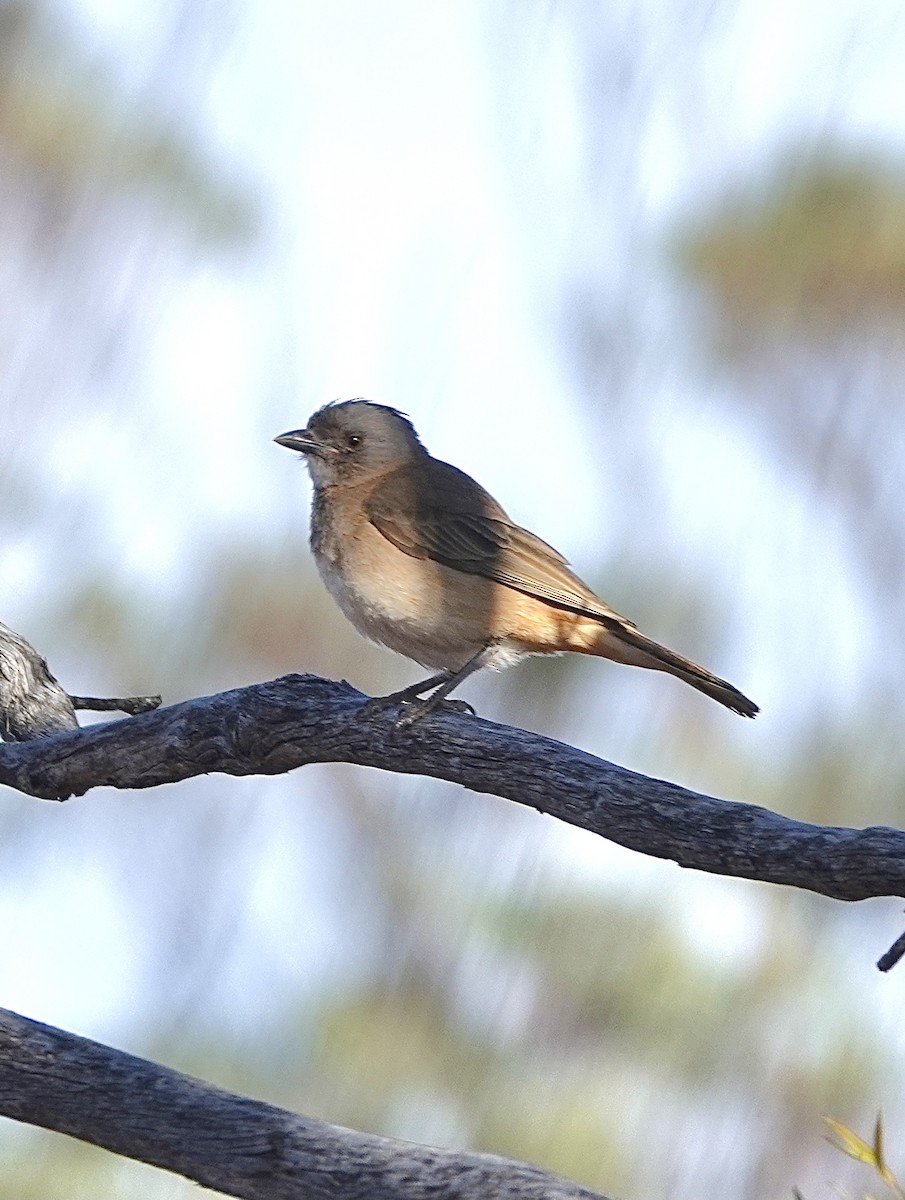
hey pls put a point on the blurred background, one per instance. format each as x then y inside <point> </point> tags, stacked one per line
<point>640,269</point>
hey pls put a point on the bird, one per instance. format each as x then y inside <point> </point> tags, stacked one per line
<point>423,560</point>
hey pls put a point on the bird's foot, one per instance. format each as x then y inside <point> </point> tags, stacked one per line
<point>413,707</point>
<point>411,697</point>
<point>379,704</point>
<point>415,712</point>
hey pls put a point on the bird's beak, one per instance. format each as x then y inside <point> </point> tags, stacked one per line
<point>301,440</point>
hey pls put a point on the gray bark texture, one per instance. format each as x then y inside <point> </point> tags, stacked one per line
<point>34,705</point>
<point>271,728</point>
<point>231,1143</point>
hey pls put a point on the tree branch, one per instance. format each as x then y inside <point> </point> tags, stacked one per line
<point>232,1143</point>
<point>271,728</point>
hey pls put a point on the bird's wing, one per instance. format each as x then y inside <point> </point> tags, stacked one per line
<point>435,511</point>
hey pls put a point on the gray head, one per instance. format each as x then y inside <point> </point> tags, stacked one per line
<point>353,440</point>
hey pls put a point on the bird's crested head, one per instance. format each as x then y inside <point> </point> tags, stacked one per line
<point>351,440</point>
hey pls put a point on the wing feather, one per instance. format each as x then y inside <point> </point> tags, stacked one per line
<point>433,510</point>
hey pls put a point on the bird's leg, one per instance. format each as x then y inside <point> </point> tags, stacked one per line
<point>447,681</point>
<point>451,680</point>
<point>378,704</point>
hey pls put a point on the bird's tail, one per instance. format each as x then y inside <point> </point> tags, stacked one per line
<point>624,643</point>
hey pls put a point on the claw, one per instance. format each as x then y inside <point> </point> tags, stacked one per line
<point>415,712</point>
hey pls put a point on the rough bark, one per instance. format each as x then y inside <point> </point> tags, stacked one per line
<point>34,705</point>
<point>232,1143</point>
<point>271,728</point>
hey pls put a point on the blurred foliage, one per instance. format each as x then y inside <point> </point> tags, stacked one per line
<point>834,781</point>
<point>816,250</point>
<point>803,273</point>
<point>63,123</point>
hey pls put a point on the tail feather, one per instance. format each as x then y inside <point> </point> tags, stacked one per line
<point>660,658</point>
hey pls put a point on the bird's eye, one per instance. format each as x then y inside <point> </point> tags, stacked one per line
<point>354,440</point>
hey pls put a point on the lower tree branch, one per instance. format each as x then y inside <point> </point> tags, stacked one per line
<point>232,1143</point>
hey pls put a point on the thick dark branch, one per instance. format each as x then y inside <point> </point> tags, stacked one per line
<point>273,727</point>
<point>231,1143</point>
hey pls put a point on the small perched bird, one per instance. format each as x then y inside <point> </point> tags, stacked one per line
<point>422,559</point>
